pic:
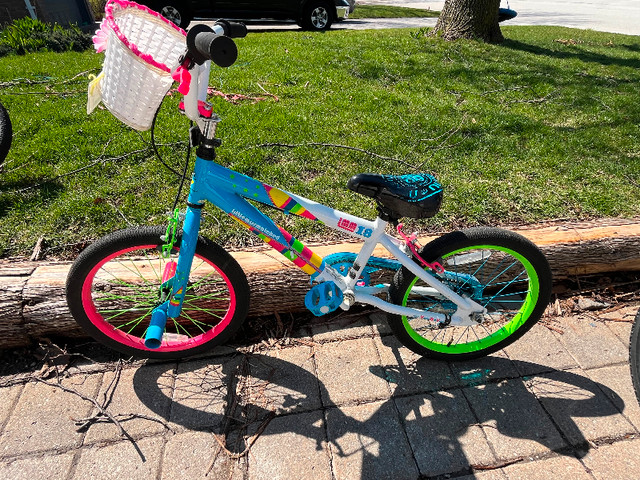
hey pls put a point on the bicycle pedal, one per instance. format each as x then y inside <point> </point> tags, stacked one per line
<point>323,298</point>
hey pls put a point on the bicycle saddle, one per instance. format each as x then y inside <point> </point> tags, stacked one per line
<point>413,196</point>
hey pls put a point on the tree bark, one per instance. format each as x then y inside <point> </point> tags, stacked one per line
<point>470,19</point>
<point>33,305</point>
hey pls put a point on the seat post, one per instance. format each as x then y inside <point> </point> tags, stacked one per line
<point>386,214</point>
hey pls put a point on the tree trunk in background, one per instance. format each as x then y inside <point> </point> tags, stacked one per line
<point>471,19</point>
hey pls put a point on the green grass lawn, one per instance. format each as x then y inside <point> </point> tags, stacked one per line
<point>544,126</point>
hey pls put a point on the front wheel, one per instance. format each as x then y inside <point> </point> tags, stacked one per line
<point>634,355</point>
<point>115,284</point>
<point>317,16</point>
<point>500,270</point>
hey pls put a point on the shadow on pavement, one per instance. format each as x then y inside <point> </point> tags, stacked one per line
<point>236,397</point>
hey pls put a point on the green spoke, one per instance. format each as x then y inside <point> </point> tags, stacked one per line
<point>139,308</point>
<point>135,322</point>
<point>122,312</point>
<point>212,295</point>
<point>131,270</point>
<point>133,297</point>
<point>161,261</point>
<point>180,326</point>
<point>205,324</point>
<point>122,283</point>
<point>195,322</point>
<point>204,279</point>
<point>209,311</point>
<point>135,269</point>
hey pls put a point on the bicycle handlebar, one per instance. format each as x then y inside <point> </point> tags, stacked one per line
<point>232,29</point>
<point>215,44</point>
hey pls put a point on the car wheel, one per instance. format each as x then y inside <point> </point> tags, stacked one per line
<point>175,12</point>
<point>317,16</point>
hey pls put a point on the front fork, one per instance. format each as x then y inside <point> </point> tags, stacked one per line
<point>177,282</point>
<point>204,137</point>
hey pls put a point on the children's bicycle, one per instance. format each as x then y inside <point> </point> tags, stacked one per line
<point>169,292</point>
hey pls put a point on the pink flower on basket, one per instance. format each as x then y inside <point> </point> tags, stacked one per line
<point>100,38</point>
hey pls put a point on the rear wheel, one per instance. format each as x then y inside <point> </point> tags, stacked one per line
<point>500,270</point>
<point>317,16</point>
<point>115,284</point>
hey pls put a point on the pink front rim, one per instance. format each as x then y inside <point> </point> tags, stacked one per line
<point>137,342</point>
<point>111,23</point>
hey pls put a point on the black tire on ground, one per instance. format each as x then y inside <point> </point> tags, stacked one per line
<point>500,270</point>
<point>634,355</point>
<point>115,283</point>
<point>6,133</point>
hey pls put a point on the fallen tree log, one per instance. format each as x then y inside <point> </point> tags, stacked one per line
<point>33,306</point>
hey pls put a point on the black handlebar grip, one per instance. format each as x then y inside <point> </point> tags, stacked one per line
<point>233,29</point>
<point>204,44</point>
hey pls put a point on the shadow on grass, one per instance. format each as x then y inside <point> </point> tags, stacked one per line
<point>576,53</point>
<point>39,191</point>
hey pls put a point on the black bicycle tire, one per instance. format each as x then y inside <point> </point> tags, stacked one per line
<point>138,236</point>
<point>6,133</point>
<point>634,355</point>
<point>435,250</point>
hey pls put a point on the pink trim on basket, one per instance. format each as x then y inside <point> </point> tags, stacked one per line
<point>110,22</point>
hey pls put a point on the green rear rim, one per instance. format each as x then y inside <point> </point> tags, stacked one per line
<point>481,343</point>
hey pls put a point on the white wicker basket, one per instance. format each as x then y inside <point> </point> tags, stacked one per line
<point>142,49</point>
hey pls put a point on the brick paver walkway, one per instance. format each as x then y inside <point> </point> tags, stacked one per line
<point>341,401</point>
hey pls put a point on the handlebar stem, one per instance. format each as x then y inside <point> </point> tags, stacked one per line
<point>201,47</point>
<point>197,90</point>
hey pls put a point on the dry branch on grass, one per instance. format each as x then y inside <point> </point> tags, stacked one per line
<point>334,145</point>
<point>57,361</point>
